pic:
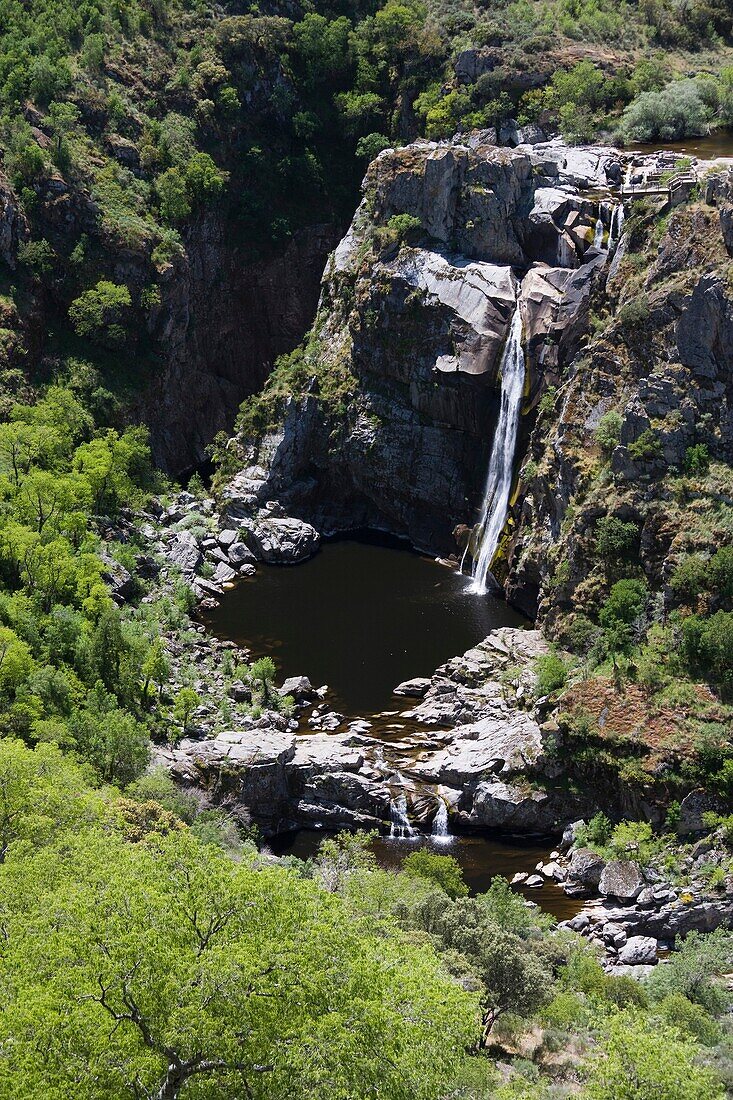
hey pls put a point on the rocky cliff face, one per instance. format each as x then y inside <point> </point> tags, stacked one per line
<point>222,322</point>
<point>389,422</point>
<point>205,341</point>
<point>413,331</point>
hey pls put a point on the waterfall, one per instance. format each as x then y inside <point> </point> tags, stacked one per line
<point>617,224</point>
<point>501,462</point>
<point>598,236</point>
<point>440,830</point>
<point>400,827</point>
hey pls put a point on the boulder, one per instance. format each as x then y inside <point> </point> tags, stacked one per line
<point>585,868</point>
<point>119,579</point>
<point>239,555</point>
<point>299,687</point>
<point>497,805</point>
<point>692,808</point>
<point>184,552</point>
<point>224,574</point>
<point>415,688</point>
<point>638,951</point>
<point>283,541</point>
<point>622,879</point>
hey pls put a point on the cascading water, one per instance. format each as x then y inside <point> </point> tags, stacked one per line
<point>617,224</point>
<point>501,462</point>
<point>440,831</point>
<point>400,827</point>
<point>600,228</point>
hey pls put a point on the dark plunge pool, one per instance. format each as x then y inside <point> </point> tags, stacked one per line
<point>360,616</point>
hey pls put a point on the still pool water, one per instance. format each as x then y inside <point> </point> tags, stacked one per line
<point>481,858</point>
<point>360,616</point>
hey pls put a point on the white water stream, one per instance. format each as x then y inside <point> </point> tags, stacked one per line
<point>598,236</point>
<point>400,827</point>
<point>440,831</point>
<point>617,224</point>
<point>503,447</point>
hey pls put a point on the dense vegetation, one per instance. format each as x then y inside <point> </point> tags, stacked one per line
<point>148,949</point>
<point>139,961</point>
<point>124,126</point>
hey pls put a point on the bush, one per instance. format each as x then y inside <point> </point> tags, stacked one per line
<point>647,448</point>
<point>625,603</point>
<point>690,578</point>
<point>676,112</point>
<point>708,645</point>
<point>615,539</point>
<point>608,432</point>
<point>101,313</point>
<point>634,313</point>
<point>444,871</point>
<point>697,460</point>
<point>551,673</point>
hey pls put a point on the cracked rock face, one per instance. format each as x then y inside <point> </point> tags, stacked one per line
<point>422,328</point>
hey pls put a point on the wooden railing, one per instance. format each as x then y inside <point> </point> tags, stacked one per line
<point>654,184</point>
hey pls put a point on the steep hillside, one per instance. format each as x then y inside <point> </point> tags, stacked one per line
<point>618,534</point>
<point>180,172</point>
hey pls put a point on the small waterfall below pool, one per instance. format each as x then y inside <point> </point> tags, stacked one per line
<point>400,827</point>
<point>617,224</point>
<point>441,831</point>
<point>600,229</point>
<point>503,447</point>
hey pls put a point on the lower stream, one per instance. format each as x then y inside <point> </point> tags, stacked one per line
<point>361,616</point>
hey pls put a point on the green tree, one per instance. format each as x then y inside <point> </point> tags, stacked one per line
<point>42,793</point>
<point>184,705</point>
<point>110,739</point>
<point>204,181</point>
<point>444,871</point>
<point>262,674</point>
<point>165,969</point>
<point>155,668</point>
<point>102,313</point>
<point>172,191</point>
<point>16,661</point>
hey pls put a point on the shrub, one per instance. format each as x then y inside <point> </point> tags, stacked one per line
<point>690,578</point>
<point>615,539</point>
<point>625,603</point>
<point>647,448</point>
<point>676,112</point>
<point>635,312</point>
<point>551,673</point>
<point>596,833</point>
<point>697,459</point>
<point>708,646</point>
<point>372,145</point>
<point>608,432</point>
<point>399,228</point>
<point>444,871</point>
<point>101,313</point>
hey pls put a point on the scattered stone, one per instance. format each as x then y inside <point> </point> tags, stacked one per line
<point>415,688</point>
<point>639,951</point>
<point>622,879</point>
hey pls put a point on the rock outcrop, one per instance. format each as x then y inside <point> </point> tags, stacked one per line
<point>416,332</point>
<point>489,770</point>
